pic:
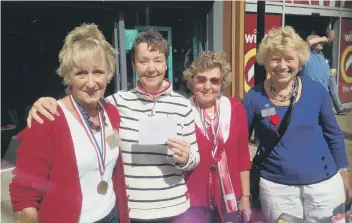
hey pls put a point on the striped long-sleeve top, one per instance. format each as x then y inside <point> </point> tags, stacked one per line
<point>155,184</point>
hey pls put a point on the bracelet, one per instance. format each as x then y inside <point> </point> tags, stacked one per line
<point>247,196</point>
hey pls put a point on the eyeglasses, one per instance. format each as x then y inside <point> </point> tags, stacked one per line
<point>203,80</point>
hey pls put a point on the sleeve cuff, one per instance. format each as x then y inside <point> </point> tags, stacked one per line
<point>22,205</point>
<point>341,160</point>
<point>247,166</point>
<point>186,166</point>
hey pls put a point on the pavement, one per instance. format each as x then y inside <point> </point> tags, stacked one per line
<point>7,216</point>
<point>345,122</point>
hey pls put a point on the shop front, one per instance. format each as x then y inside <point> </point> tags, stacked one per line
<point>306,17</point>
<point>33,34</point>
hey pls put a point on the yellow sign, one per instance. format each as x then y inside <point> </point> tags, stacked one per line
<point>251,53</point>
<point>248,56</point>
<point>343,65</point>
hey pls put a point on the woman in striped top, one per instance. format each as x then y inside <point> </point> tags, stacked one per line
<point>154,174</point>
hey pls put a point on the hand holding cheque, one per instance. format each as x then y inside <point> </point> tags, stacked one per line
<point>158,130</point>
<point>180,148</point>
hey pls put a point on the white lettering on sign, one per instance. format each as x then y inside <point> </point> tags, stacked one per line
<point>250,38</point>
<point>332,3</point>
<point>345,89</point>
<point>348,37</point>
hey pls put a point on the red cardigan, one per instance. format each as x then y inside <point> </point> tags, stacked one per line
<point>46,175</point>
<point>238,157</point>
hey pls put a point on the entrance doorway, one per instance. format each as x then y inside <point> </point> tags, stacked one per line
<point>306,25</point>
<point>32,36</point>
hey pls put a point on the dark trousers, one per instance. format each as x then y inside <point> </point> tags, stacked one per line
<point>160,220</point>
<point>112,217</point>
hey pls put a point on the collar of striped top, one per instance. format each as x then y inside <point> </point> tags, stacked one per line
<point>166,89</point>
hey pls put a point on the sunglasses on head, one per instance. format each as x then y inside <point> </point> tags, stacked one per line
<point>203,80</point>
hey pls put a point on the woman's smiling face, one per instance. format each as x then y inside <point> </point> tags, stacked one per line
<point>283,66</point>
<point>150,65</point>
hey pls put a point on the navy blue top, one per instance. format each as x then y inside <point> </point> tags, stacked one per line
<point>317,69</point>
<point>313,147</point>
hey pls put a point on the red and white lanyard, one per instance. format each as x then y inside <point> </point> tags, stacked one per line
<point>215,130</point>
<point>99,150</point>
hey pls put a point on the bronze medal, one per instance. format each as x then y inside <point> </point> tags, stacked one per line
<point>212,168</point>
<point>113,141</point>
<point>102,187</point>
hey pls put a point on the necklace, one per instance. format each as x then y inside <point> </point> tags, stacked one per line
<point>90,123</point>
<point>279,96</point>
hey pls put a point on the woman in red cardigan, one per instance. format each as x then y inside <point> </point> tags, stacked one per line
<point>219,185</point>
<point>70,170</point>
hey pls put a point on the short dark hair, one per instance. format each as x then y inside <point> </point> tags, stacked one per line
<point>154,39</point>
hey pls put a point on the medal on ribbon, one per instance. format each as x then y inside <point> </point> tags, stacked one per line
<point>100,150</point>
<point>113,140</point>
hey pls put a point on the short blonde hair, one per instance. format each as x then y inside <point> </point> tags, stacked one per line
<point>283,39</point>
<point>79,44</point>
<point>208,60</point>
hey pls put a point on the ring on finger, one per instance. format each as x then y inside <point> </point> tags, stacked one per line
<point>180,152</point>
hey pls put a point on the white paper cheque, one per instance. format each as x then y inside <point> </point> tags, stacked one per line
<point>156,130</point>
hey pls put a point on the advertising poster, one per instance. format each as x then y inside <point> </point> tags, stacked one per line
<point>345,66</point>
<point>250,40</point>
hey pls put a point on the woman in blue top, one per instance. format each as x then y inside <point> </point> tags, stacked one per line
<point>305,175</point>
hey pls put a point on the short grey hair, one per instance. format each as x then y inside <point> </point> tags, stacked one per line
<point>329,31</point>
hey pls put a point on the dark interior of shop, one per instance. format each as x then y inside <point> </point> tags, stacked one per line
<point>307,25</point>
<point>33,34</point>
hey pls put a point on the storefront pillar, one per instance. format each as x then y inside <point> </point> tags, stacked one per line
<point>237,51</point>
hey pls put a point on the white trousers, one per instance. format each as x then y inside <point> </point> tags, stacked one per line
<point>313,203</point>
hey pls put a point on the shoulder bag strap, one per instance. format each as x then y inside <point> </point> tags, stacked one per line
<point>261,156</point>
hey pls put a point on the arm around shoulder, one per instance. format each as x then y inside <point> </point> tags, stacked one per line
<point>112,99</point>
